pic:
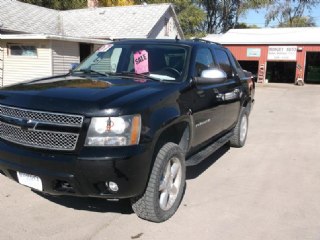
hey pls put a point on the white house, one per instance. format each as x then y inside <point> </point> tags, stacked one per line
<point>37,42</point>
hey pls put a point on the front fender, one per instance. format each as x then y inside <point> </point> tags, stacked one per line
<point>167,120</point>
<point>161,118</point>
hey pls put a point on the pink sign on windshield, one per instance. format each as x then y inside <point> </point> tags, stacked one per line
<point>141,62</point>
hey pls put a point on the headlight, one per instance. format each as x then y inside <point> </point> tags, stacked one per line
<point>114,131</point>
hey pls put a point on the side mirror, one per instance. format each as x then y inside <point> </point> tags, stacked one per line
<point>254,77</point>
<point>211,76</point>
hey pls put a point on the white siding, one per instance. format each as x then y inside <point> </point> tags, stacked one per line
<point>21,68</point>
<point>64,54</point>
<point>1,62</point>
<point>160,30</point>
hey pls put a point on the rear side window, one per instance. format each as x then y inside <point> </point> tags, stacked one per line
<point>204,60</point>
<point>235,62</point>
<point>224,62</point>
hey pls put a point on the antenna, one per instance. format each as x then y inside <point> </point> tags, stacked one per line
<point>177,38</point>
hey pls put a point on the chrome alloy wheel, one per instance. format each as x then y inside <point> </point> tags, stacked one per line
<point>170,182</point>
<point>243,127</point>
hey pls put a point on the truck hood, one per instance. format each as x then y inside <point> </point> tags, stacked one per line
<point>89,96</point>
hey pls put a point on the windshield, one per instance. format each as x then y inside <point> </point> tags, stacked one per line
<point>155,61</point>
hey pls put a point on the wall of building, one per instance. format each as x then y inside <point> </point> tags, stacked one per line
<point>301,56</point>
<point>64,54</point>
<point>22,68</point>
<point>165,28</point>
<point>1,62</point>
<point>241,53</point>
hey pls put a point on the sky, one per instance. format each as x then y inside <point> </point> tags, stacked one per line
<point>257,18</point>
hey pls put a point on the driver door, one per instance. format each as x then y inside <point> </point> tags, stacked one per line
<point>207,107</point>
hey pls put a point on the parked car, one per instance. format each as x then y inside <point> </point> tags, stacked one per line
<point>126,122</point>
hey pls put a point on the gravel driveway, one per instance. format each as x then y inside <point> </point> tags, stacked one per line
<point>270,189</point>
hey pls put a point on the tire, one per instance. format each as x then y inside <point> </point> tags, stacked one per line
<point>165,188</point>
<point>240,132</point>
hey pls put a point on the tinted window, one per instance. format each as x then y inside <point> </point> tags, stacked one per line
<point>224,62</point>
<point>235,62</point>
<point>204,60</point>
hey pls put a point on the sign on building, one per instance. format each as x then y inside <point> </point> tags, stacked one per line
<point>253,52</point>
<point>282,53</point>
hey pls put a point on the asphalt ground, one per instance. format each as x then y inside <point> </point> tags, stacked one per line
<point>269,189</point>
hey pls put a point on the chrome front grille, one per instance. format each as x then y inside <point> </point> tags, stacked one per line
<point>44,117</point>
<point>38,139</point>
<point>12,131</point>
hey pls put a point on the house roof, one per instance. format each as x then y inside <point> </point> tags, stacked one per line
<point>118,22</point>
<point>22,17</point>
<point>108,22</point>
<point>52,37</point>
<point>307,35</point>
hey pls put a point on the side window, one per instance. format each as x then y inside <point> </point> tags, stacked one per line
<point>224,62</point>
<point>23,50</point>
<point>235,62</point>
<point>204,60</point>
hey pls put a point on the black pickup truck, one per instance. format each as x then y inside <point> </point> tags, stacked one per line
<point>126,122</point>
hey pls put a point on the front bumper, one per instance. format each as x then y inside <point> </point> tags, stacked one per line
<point>84,173</point>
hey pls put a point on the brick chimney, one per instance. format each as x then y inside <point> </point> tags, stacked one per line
<point>93,3</point>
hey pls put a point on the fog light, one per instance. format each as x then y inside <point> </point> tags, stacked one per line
<point>113,186</point>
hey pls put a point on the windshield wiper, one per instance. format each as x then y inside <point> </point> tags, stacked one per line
<point>90,71</point>
<point>133,74</point>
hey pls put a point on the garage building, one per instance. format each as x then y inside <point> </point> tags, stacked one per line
<point>281,55</point>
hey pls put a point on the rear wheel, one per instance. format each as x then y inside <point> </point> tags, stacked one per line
<point>165,187</point>
<point>241,130</point>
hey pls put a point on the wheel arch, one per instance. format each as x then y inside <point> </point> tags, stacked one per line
<point>178,132</point>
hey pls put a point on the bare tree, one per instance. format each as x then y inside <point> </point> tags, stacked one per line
<point>289,11</point>
<point>223,15</point>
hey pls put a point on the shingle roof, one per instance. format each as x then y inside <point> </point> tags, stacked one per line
<point>22,17</point>
<point>303,35</point>
<point>112,22</point>
<point>120,22</point>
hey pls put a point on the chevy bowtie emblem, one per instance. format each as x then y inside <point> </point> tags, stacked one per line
<point>26,124</point>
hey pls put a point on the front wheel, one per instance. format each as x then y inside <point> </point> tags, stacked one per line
<point>241,130</point>
<point>165,187</point>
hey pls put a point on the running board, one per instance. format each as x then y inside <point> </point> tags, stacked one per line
<point>202,155</point>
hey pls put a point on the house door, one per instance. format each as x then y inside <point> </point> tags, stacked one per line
<point>85,50</point>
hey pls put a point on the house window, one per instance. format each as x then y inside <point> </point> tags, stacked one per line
<point>22,50</point>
